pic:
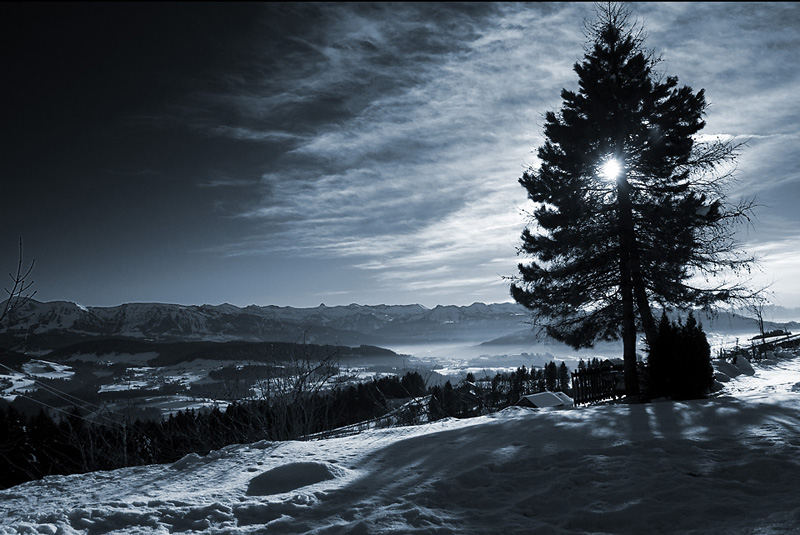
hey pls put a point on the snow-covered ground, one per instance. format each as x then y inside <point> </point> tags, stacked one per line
<point>13,383</point>
<point>725,465</point>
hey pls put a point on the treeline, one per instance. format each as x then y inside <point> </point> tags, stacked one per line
<point>170,353</point>
<point>473,397</point>
<point>35,446</point>
<point>271,352</point>
<point>32,447</point>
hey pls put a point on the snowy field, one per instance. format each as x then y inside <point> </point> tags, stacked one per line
<point>725,465</point>
<point>15,382</point>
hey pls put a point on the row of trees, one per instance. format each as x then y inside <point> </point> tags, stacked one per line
<point>507,388</point>
<point>32,447</point>
<point>488,394</point>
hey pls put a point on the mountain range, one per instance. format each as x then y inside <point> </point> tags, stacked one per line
<point>57,323</point>
<point>47,325</point>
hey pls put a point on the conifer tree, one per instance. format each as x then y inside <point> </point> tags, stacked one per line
<point>660,359</point>
<point>679,361</point>
<point>551,376</point>
<point>630,204</point>
<point>563,378</point>
<point>696,375</point>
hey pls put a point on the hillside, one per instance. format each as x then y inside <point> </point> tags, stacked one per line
<point>726,465</point>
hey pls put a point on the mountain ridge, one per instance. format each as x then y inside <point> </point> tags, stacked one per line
<point>352,324</point>
<point>55,323</point>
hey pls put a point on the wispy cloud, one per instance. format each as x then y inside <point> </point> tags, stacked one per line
<point>403,128</point>
<point>423,171</point>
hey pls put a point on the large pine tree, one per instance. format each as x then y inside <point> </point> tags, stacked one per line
<point>630,207</point>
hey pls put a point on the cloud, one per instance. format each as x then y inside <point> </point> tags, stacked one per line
<point>403,128</point>
<point>779,267</point>
<point>456,126</point>
<point>227,182</point>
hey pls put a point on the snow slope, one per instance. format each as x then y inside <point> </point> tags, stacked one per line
<point>727,465</point>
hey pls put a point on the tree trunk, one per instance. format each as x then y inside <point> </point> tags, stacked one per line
<point>629,341</point>
<point>642,303</point>
<point>627,244</point>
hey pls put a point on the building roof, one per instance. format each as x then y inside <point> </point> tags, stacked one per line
<point>546,399</point>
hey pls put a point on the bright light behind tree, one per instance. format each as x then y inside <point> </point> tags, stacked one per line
<point>611,169</point>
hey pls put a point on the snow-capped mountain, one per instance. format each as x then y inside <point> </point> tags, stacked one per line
<point>348,325</point>
<point>474,323</point>
<point>57,322</point>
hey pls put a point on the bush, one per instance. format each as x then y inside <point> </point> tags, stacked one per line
<point>680,361</point>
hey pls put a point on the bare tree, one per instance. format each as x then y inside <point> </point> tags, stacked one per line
<point>755,306</point>
<point>19,293</point>
<point>292,388</point>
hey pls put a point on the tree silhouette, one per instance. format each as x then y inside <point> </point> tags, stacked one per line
<point>19,293</point>
<point>630,203</point>
<point>679,361</point>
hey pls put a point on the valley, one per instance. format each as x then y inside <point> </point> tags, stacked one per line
<point>151,360</point>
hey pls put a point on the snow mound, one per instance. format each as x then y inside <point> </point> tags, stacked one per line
<point>186,461</point>
<point>744,366</point>
<point>728,369</point>
<point>292,476</point>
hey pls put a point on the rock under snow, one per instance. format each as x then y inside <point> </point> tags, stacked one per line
<point>543,400</point>
<point>744,366</point>
<point>726,368</point>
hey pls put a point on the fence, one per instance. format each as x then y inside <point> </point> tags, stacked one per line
<point>757,348</point>
<point>597,384</point>
<point>413,412</point>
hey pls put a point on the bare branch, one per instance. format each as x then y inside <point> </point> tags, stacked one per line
<point>19,293</point>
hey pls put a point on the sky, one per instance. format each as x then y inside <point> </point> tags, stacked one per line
<point>298,154</point>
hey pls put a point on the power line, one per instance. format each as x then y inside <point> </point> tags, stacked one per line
<point>49,388</point>
<point>58,393</point>
<point>71,414</point>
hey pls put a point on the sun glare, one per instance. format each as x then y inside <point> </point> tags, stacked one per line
<point>611,169</point>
